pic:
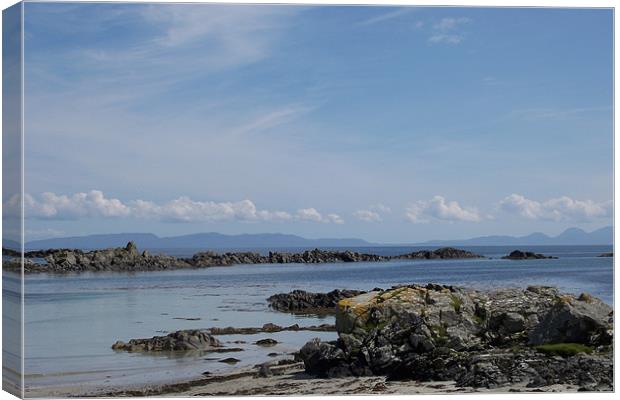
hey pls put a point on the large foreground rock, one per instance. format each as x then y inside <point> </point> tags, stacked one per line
<point>437,332</point>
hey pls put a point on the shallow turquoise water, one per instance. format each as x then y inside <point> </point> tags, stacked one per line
<point>71,321</point>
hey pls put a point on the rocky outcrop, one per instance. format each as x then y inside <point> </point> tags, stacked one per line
<point>11,252</point>
<point>270,328</point>
<point>526,255</point>
<point>185,340</point>
<point>606,255</point>
<point>480,339</point>
<point>442,253</point>
<point>129,259</point>
<point>300,301</point>
<point>584,320</point>
<point>317,256</point>
<point>118,259</point>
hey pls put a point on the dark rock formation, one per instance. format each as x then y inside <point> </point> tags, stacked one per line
<point>230,360</point>
<point>129,259</point>
<point>606,255</point>
<point>266,342</point>
<point>317,256</point>
<point>184,340</point>
<point>526,255</point>
<point>442,253</point>
<point>11,253</point>
<point>119,259</point>
<point>269,328</point>
<point>479,339</point>
<point>300,301</point>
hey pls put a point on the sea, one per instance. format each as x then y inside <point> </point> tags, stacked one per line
<point>71,321</point>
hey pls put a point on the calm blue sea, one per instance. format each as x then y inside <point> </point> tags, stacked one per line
<point>71,321</point>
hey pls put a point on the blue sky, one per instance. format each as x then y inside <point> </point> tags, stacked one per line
<point>389,124</point>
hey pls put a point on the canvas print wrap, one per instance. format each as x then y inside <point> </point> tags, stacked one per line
<point>235,199</point>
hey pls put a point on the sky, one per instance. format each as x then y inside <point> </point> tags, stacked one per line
<point>391,124</point>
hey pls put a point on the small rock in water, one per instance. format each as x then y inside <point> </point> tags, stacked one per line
<point>272,354</point>
<point>230,360</point>
<point>266,342</point>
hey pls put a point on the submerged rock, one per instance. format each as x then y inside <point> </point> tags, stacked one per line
<point>438,332</point>
<point>184,340</point>
<point>526,255</point>
<point>606,255</point>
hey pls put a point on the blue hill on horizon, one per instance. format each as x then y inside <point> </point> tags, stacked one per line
<point>571,236</point>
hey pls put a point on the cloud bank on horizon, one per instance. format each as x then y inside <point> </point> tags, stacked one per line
<point>94,204</point>
<point>394,124</point>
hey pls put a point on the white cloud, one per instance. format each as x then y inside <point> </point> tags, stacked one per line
<point>335,219</point>
<point>448,30</point>
<point>91,204</point>
<point>558,209</point>
<point>381,208</point>
<point>311,214</point>
<point>440,209</point>
<point>373,213</point>
<point>183,209</point>
<point>367,215</point>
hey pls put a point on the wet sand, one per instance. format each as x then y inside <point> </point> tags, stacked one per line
<point>286,380</point>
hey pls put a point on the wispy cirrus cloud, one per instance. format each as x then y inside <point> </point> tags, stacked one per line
<point>438,208</point>
<point>557,209</point>
<point>555,113</point>
<point>448,30</point>
<point>398,12</point>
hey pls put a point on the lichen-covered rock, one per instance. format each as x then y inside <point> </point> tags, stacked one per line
<point>185,340</point>
<point>585,320</point>
<point>438,332</point>
<point>528,368</point>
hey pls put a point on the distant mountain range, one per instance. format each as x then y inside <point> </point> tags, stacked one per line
<point>196,241</point>
<point>572,236</point>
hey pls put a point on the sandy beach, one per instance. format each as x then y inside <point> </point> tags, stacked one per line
<point>288,380</point>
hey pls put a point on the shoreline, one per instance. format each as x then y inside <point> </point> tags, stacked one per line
<point>284,380</point>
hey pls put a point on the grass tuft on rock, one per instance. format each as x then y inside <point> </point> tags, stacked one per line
<point>563,349</point>
<point>457,302</point>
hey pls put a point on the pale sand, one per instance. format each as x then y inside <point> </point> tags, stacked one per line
<point>287,380</point>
